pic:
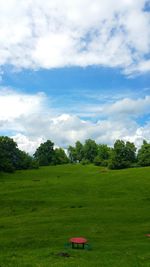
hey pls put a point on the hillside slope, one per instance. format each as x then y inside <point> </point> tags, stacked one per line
<point>41,209</point>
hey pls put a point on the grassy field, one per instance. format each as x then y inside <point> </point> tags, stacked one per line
<point>41,209</point>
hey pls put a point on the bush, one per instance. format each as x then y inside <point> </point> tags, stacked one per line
<point>105,163</point>
<point>118,164</point>
<point>85,162</point>
<point>7,166</point>
<point>97,161</point>
<point>34,164</point>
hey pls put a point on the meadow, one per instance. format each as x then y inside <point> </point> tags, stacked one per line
<point>41,209</point>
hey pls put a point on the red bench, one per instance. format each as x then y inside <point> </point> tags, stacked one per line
<point>78,242</point>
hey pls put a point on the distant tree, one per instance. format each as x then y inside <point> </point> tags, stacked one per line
<point>130,152</point>
<point>8,154</point>
<point>103,156</point>
<point>85,162</point>
<point>79,151</point>
<point>60,156</point>
<point>104,151</point>
<point>143,156</point>
<point>45,154</point>
<point>25,161</point>
<point>123,155</point>
<point>72,153</point>
<point>90,149</point>
<point>12,158</point>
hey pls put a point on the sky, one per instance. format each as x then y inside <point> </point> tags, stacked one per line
<point>73,70</point>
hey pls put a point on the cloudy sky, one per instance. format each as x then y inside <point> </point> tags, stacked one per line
<point>74,69</point>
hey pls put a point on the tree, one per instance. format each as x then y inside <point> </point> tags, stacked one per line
<point>143,156</point>
<point>130,152</point>
<point>123,155</point>
<point>45,154</point>
<point>25,161</point>
<point>12,158</point>
<point>72,154</point>
<point>90,149</point>
<point>60,156</point>
<point>103,155</point>
<point>79,151</point>
<point>8,154</point>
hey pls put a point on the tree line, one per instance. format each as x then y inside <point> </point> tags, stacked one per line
<point>121,155</point>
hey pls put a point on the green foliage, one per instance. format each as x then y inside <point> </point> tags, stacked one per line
<point>8,154</point>
<point>90,150</point>
<point>97,161</point>
<point>12,158</point>
<point>104,154</point>
<point>79,151</point>
<point>101,162</point>
<point>85,161</point>
<point>83,152</point>
<point>143,156</point>
<point>25,161</point>
<point>72,154</point>
<point>130,152</point>
<point>60,157</point>
<point>123,155</point>
<point>45,154</point>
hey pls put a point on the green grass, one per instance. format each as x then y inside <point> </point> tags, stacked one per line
<point>41,209</point>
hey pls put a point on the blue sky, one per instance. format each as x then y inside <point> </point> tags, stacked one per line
<point>69,76</point>
<point>70,87</point>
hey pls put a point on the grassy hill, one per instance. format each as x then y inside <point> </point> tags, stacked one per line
<point>41,209</point>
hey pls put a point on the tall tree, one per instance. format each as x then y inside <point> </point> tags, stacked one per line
<point>79,151</point>
<point>123,155</point>
<point>130,152</point>
<point>45,154</point>
<point>90,150</point>
<point>60,156</point>
<point>25,161</point>
<point>8,154</point>
<point>72,154</point>
<point>12,158</point>
<point>143,156</point>
<point>104,153</point>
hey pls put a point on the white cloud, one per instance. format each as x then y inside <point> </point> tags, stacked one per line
<point>143,66</point>
<point>26,143</point>
<point>50,34</point>
<point>121,108</point>
<point>14,104</point>
<point>66,132</point>
<point>131,107</point>
<point>29,120</point>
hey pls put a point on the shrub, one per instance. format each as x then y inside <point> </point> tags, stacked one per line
<point>85,162</point>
